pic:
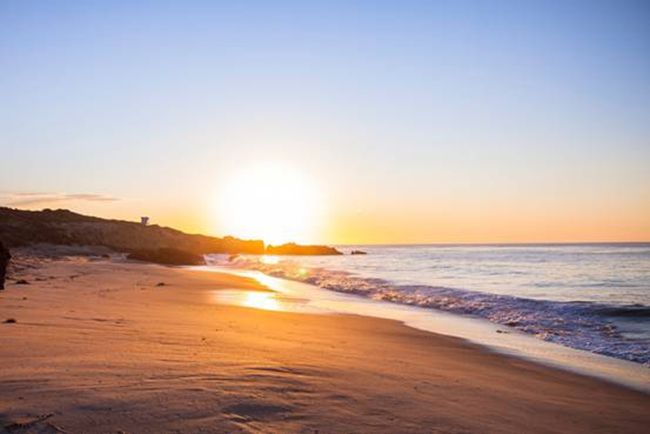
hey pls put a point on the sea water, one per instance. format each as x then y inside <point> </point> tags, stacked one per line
<point>593,297</point>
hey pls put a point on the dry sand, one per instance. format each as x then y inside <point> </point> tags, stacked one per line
<point>98,347</point>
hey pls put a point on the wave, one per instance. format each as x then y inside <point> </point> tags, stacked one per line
<point>582,325</point>
<point>629,311</point>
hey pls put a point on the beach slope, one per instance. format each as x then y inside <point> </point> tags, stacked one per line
<point>107,346</point>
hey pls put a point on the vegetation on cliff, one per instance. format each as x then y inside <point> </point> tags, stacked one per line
<point>64,227</point>
<point>20,228</point>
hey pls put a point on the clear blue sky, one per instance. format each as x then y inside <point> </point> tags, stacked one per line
<point>423,120</point>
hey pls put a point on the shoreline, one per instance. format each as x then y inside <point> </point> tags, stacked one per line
<point>586,298</point>
<point>102,346</point>
<point>488,335</point>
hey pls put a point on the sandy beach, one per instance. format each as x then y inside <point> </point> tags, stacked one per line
<point>107,346</point>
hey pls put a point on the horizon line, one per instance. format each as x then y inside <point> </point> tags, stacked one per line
<point>399,244</point>
<point>488,243</point>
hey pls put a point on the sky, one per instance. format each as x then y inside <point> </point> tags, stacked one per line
<point>411,121</point>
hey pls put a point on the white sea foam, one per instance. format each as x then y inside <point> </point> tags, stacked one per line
<point>589,297</point>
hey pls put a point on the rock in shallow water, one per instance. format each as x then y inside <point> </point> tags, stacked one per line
<point>297,249</point>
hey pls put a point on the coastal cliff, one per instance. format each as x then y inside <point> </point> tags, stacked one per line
<point>64,227</point>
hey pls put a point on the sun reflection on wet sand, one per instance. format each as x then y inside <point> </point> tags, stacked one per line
<point>265,300</point>
<point>261,300</point>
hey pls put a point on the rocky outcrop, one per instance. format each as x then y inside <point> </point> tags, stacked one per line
<point>167,256</point>
<point>358,252</point>
<point>297,249</point>
<point>5,257</point>
<point>63,227</point>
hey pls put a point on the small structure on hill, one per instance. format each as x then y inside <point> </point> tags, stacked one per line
<point>144,221</point>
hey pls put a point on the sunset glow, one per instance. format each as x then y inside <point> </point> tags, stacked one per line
<point>325,216</point>
<point>444,123</point>
<point>269,201</point>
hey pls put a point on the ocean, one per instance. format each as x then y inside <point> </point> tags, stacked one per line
<point>593,297</point>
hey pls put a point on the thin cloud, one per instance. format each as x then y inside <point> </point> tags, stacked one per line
<point>35,198</point>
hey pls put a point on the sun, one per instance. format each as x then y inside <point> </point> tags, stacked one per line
<point>269,201</point>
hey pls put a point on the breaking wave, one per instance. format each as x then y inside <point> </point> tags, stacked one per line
<point>589,326</point>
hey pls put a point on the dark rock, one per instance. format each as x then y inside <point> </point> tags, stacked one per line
<point>358,252</point>
<point>167,256</point>
<point>5,257</point>
<point>22,282</point>
<point>65,228</point>
<point>160,284</point>
<point>296,249</point>
<point>10,321</point>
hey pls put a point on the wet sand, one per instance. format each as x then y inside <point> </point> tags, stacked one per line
<point>107,347</point>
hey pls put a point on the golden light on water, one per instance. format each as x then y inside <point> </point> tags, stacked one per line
<point>270,201</point>
<point>269,259</point>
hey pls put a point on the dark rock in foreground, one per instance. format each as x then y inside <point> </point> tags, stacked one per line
<point>5,257</point>
<point>358,252</point>
<point>167,256</point>
<point>296,249</point>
